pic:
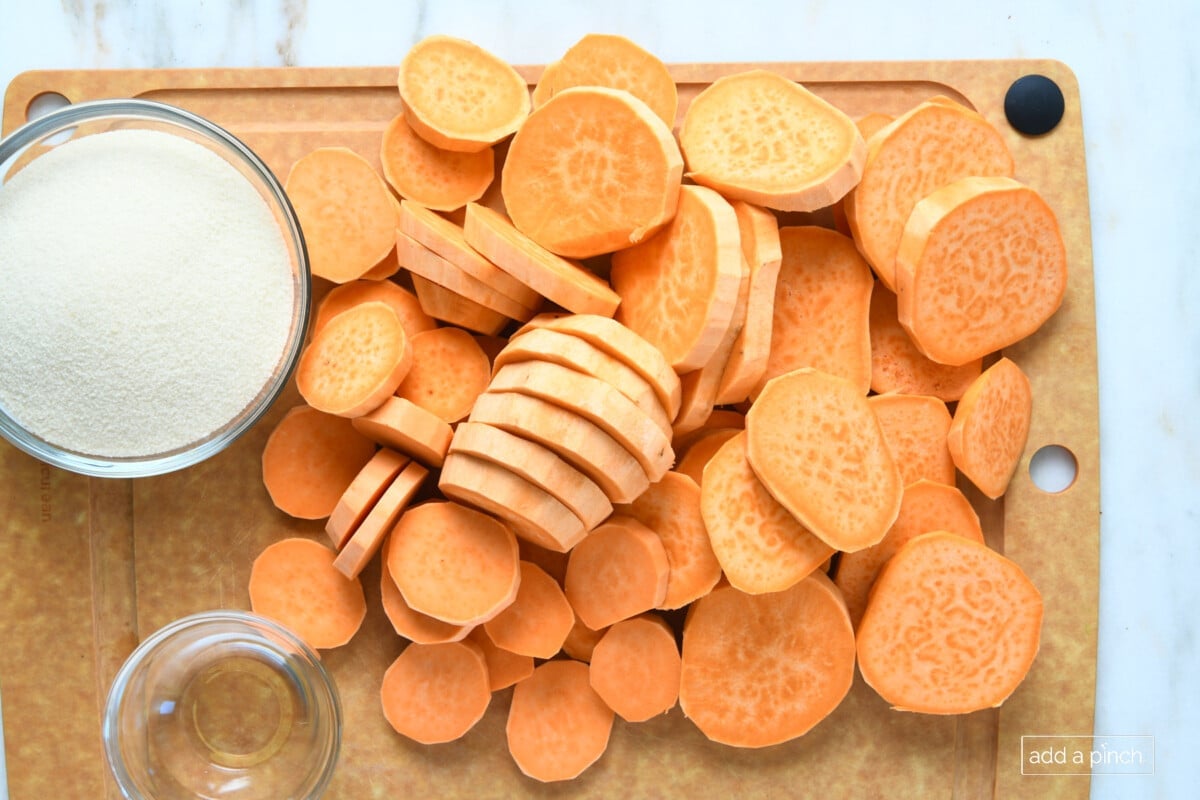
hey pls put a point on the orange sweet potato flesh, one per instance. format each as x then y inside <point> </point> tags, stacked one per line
<point>458,96</point>
<point>564,282</point>
<point>763,669</point>
<point>309,460</point>
<point>701,450</point>
<point>635,668</point>
<point>440,179</point>
<point>449,306</point>
<point>293,582</point>
<point>816,444</point>
<point>356,361</point>
<point>898,366</point>
<point>679,288</point>
<point>504,668</point>
<point>990,427</point>
<point>537,622</point>
<point>413,625</point>
<point>556,193</point>
<point>557,725</point>
<point>435,693</point>
<point>618,341</point>
<point>822,307</point>
<point>671,508</point>
<point>402,301</point>
<point>619,571</point>
<point>951,627</point>
<point>454,563</point>
<point>915,427</point>
<point>449,371</point>
<point>981,264</point>
<point>346,212</point>
<point>600,59</point>
<point>404,426</point>
<point>933,144</point>
<point>758,543</point>
<point>759,137</point>
<point>927,506</point>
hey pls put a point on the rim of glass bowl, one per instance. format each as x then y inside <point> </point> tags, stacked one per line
<point>323,683</point>
<point>256,170</point>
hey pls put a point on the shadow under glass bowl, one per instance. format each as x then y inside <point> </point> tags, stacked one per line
<point>41,136</point>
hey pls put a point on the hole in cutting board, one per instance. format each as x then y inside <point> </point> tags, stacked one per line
<point>47,103</point>
<point>1053,468</point>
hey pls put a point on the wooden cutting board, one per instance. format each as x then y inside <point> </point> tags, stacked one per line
<point>88,567</point>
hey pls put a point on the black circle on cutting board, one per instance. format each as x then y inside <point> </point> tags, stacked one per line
<point>1034,105</point>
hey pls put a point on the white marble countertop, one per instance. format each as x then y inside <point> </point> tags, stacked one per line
<point>1138,71</point>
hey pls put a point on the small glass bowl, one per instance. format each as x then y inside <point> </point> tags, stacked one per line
<point>39,137</point>
<point>222,705</point>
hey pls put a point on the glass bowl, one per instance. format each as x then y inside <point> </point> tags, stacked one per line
<point>222,705</point>
<point>148,437</point>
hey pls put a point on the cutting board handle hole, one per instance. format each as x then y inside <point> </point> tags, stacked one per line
<point>1053,468</point>
<point>46,103</point>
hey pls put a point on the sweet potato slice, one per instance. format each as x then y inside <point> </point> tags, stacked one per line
<point>981,264</point>
<point>537,622</point>
<point>356,361</point>
<point>951,627</point>
<point>898,366</point>
<point>361,495</point>
<point>557,725</point>
<point>435,693</point>
<point>346,212</point>
<point>309,460</point>
<point>370,534</point>
<point>990,427</point>
<point>816,444</point>
<point>294,583</point>
<point>458,96</point>
<point>671,508</point>
<point>679,288</point>
<point>505,668</point>
<point>597,402</point>
<point>759,137</point>
<point>933,144</point>
<point>403,425</point>
<point>915,427</point>
<point>450,306</point>
<point>564,282</point>
<point>547,344</point>
<point>420,260</point>
<point>576,440</point>
<point>635,668</point>
<point>449,371</point>
<point>402,301</point>
<point>454,563</point>
<point>758,543</point>
<point>620,342</point>
<point>558,195</point>
<point>619,571</point>
<point>701,450</point>
<point>822,307</point>
<point>435,178</point>
<point>533,513</point>
<point>537,464</point>
<point>410,624</point>
<point>449,241</point>
<point>759,235</point>
<point>600,59</point>
<point>926,506</point>
<point>794,662</point>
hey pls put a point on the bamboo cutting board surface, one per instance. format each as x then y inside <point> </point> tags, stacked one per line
<point>88,567</point>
